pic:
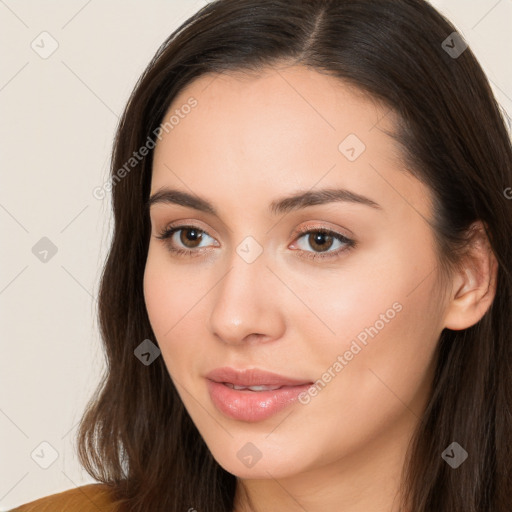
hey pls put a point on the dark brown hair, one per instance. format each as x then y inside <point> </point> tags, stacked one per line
<point>136,434</point>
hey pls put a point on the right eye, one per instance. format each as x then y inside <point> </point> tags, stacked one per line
<point>189,235</point>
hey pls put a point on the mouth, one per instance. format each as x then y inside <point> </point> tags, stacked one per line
<point>252,395</point>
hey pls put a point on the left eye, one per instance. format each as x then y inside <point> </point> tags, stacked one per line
<point>323,240</point>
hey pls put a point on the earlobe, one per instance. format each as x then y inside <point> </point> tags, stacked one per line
<point>474,286</point>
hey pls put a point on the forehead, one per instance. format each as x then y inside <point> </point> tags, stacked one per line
<point>278,107</point>
<point>284,129</point>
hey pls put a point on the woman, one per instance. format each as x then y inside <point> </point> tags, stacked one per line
<point>307,300</point>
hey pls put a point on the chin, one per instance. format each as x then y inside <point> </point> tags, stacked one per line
<point>260,459</point>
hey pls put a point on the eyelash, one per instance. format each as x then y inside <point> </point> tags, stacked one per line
<point>166,234</point>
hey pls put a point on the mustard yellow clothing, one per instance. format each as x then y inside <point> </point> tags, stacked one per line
<point>87,498</point>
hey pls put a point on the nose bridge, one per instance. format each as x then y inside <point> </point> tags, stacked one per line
<point>245,302</point>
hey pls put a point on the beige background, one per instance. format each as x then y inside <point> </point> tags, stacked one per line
<point>58,116</point>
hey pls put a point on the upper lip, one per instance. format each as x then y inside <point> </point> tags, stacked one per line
<point>252,377</point>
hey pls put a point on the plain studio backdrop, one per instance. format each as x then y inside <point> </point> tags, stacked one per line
<point>67,70</point>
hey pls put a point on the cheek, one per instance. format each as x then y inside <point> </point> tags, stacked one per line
<point>174,307</point>
<point>156,292</point>
<point>165,293</point>
<point>165,298</point>
<point>382,313</point>
<point>377,367</point>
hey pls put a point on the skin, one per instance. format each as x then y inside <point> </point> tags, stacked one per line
<point>254,139</point>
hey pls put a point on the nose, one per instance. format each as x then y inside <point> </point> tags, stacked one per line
<point>247,304</point>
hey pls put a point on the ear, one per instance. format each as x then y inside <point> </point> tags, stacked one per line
<point>474,285</point>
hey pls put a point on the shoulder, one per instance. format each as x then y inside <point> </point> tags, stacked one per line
<point>91,497</point>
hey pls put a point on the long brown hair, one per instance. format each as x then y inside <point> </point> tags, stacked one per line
<point>136,434</point>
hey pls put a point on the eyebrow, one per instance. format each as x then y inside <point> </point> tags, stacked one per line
<point>279,206</point>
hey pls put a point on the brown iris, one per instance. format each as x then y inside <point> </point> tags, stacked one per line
<point>317,240</point>
<point>195,236</point>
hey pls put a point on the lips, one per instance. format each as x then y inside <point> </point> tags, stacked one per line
<point>253,377</point>
<point>252,395</point>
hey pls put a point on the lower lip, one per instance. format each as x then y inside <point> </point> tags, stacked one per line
<point>247,405</point>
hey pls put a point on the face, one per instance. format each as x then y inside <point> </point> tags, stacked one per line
<point>339,293</point>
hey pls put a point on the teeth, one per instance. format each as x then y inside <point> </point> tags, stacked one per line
<point>252,388</point>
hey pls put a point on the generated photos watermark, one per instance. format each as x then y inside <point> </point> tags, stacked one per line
<point>174,119</point>
<point>354,349</point>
